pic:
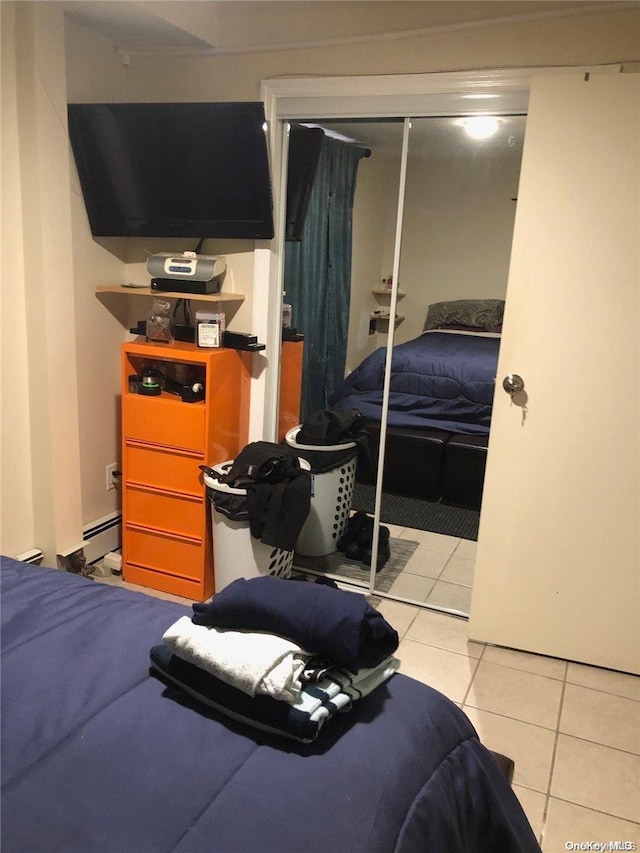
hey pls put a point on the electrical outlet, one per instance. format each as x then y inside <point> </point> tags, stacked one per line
<point>111,480</point>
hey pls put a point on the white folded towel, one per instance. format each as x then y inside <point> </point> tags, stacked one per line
<point>254,662</point>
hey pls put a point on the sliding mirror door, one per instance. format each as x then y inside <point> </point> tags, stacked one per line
<point>457,192</point>
<point>336,271</point>
<point>459,208</point>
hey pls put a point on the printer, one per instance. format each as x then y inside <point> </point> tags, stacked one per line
<point>186,273</point>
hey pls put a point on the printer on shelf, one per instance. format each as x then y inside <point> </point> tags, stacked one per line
<point>186,273</point>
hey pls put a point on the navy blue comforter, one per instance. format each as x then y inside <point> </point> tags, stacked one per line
<point>100,755</point>
<point>440,380</point>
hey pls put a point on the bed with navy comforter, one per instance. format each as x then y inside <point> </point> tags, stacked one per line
<point>101,753</point>
<point>440,380</point>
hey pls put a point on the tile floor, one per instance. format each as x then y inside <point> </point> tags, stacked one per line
<point>572,730</point>
<point>439,572</point>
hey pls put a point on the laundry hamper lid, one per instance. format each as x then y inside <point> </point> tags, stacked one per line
<point>291,437</point>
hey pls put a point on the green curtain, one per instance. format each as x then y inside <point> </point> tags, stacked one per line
<point>317,277</point>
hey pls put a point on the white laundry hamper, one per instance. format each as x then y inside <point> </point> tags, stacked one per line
<point>236,553</point>
<point>331,497</point>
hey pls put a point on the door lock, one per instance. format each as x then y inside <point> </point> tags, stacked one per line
<point>513,384</point>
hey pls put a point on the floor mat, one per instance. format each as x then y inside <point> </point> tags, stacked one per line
<point>420,514</point>
<point>337,564</point>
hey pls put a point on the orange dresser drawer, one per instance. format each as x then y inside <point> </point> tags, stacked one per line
<point>166,468</point>
<point>180,556</point>
<point>158,420</point>
<point>184,587</point>
<point>180,514</point>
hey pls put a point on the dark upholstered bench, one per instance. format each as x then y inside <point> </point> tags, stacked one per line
<point>413,461</point>
<point>465,459</point>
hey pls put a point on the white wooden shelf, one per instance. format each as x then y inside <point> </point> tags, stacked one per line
<point>169,294</point>
<point>386,318</point>
<point>381,291</point>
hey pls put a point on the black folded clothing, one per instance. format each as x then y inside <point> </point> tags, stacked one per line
<point>330,427</point>
<point>333,623</point>
<point>278,493</point>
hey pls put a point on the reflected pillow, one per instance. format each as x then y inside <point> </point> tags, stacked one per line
<point>481,314</point>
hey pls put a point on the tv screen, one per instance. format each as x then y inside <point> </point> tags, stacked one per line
<point>304,152</point>
<point>173,170</point>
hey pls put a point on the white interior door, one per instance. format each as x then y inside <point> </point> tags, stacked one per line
<point>557,569</point>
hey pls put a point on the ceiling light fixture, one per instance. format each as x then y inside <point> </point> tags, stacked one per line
<point>481,127</point>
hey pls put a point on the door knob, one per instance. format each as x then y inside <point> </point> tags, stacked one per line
<point>513,384</point>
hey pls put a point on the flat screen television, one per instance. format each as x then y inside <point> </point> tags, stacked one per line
<point>173,169</point>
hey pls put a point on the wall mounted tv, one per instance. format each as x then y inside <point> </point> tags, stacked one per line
<point>173,170</point>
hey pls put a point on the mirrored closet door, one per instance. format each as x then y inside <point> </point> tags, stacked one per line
<point>458,214</point>
<point>432,223</point>
<point>344,316</point>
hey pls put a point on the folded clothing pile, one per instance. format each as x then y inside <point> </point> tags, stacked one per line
<point>281,656</point>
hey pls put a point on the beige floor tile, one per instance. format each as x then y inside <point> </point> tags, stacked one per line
<point>530,747</point>
<point>432,541</point>
<point>597,777</point>
<point>532,803</point>
<point>567,823</point>
<point>398,615</point>
<point>466,548</point>
<point>396,531</point>
<point>450,595</point>
<point>539,664</point>
<point>427,563</point>
<point>412,587</point>
<point>604,679</point>
<point>512,693</point>
<point>443,631</point>
<point>445,671</point>
<point>459,570</point>
<point>601,717</point>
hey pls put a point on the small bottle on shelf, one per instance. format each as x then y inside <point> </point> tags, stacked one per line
<point>287,314</point>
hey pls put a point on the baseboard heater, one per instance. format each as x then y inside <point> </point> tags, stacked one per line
<point>33,556</point>
<point>102,536</point>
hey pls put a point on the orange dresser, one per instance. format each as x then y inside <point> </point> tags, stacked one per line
<point>166,533</point>
<point>290,386</point>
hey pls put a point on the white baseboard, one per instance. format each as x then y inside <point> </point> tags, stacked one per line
<point>34,556</point>
<point>102,536</point>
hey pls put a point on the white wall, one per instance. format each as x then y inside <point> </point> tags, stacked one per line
<point>457,227</point>
<point>17,510</point>
<point>599,37</point>
<point>40,428</point>
<point>374,219</point>
<point>458,218</point>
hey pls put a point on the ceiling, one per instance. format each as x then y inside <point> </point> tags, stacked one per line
<point>158,27</point>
